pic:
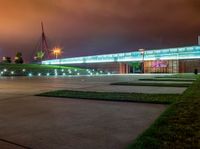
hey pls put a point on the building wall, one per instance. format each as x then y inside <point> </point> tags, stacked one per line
<point>188,66</point>
<point>124,68</point>
<point>158,66</point>
<point>110,67</point>
<point>172,66</point>
<point>121,68</point>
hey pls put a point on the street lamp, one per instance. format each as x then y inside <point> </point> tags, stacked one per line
<point>142,52</point>
<point>57,52</point>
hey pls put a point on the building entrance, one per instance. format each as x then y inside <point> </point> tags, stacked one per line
<point>161,66</point>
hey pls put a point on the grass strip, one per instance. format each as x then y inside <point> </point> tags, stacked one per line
<point>186,75</point>
<point>169,79</point>
<point>37,68</point>
<point>152,84</point>
<point>33,66</point>
<point>176,77</point>
<point>108,96</point>
<point>179,76</point>
<point>178,127</point>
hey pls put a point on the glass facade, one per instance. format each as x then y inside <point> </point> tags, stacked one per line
<point>161,66</point>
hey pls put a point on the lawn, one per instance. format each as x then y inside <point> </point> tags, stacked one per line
<point>180,76</point>
<point>35,69</point>
<point>169,79</point>
<point>152,84</point>
<point>178,127</point>
<point>128,97</point>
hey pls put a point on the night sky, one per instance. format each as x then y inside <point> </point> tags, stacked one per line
<point>88,27</point>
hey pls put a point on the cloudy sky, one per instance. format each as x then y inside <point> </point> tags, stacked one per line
<point>87,27</point>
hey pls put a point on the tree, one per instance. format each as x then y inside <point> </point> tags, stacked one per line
<point>18,58</point>
<point>39,55</point>
<point>6,60</point>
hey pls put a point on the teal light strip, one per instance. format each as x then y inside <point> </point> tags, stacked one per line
<point>192,52</point>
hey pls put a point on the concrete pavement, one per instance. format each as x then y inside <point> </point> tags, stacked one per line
<point>99,84</point>
<point>27,121</point>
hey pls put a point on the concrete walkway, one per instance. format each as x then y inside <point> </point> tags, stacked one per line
<point>99,84</point>
<point>27,121</point>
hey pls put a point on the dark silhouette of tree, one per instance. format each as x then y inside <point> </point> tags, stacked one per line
<point>18,58</point>
<point>6,60</point>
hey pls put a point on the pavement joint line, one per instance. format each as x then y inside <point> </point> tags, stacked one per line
<point>13,143</point>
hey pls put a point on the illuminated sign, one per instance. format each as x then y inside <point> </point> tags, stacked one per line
<point>160,64</point>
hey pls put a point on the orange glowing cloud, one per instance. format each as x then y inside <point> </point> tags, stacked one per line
<point>83,27</point>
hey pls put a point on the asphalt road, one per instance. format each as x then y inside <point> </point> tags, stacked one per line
<point>27,121</point>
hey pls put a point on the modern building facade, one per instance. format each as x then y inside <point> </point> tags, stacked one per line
<point>172,60</point>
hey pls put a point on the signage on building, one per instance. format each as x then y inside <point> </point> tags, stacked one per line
<point>160,64</point>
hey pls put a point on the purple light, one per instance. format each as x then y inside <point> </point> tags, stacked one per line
<point>160,64</point>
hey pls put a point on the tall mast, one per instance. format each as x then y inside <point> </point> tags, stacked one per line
<point>44,45</point>
<point>42,25</point>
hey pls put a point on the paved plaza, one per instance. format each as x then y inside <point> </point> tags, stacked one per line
<point>28,121</point>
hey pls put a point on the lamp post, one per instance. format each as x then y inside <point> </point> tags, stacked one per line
<point>142,52</point>
<point>57,52</point>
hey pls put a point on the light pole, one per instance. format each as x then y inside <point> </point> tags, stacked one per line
<point>57,52</point>
<point>142,52</point>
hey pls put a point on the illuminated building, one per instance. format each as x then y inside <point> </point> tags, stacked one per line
<point>172,60</point>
